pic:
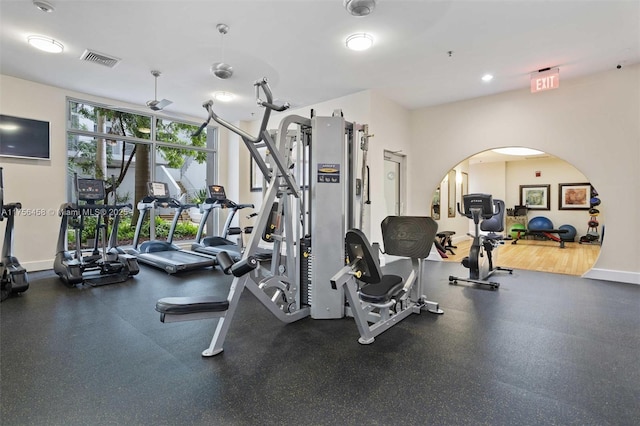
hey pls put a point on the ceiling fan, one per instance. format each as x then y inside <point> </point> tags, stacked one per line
<point>155,104</point>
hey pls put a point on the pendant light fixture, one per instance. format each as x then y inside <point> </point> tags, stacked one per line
<point>221,69</point>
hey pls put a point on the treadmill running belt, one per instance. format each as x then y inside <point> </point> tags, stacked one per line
<point>176,260</point>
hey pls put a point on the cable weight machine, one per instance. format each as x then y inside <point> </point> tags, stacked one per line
<point>312,197</point>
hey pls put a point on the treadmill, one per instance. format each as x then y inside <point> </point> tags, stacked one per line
<point>213,245</point>
<point>164,254</point>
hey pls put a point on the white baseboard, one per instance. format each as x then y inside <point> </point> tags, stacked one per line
<point>38,265</point>
<point>610,275</point>
<point>595,273</point>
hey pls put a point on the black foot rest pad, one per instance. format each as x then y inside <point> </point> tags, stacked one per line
<point>191,305</point>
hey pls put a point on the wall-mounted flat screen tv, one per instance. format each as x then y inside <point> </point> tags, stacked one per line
<point>24,138</point>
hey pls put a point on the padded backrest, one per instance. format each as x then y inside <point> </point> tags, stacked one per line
<point>366,261</point>
<point>482,204</point>
<point>496,223</point>
<point>409,236</point>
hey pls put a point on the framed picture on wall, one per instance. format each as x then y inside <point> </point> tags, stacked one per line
<point>574,196</point>
<point>451,183</point>
<point>535,197</point>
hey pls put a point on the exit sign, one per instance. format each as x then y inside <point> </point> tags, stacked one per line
<point>545,80</point>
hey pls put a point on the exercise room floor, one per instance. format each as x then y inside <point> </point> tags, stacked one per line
<point>539,255</point>
<point>543,349</point>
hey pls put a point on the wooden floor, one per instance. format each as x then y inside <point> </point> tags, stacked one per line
<point>538,255</point>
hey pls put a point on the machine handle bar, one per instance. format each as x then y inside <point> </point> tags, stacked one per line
<point>268,106</point>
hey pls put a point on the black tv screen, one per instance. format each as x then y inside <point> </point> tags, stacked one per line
<point>24,138</point>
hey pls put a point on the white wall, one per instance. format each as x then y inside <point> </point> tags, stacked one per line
<point>592,123</point>
<point>40,185</point>
<point>553,171</point>
<point>389,123</point>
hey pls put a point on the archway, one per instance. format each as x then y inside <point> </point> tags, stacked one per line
<point>510,178</point>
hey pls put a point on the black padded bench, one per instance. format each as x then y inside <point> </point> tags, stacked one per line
<point>174,309</point>
<point>549,233</point>
<point>445,241</point>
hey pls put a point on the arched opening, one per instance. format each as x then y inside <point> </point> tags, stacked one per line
<point>541,192</point>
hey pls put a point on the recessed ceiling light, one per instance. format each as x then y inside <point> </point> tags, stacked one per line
<point>224,96</point>
<point>487,78</point>
<point>517,150</point>
<point>45,43</point>
<point>359,41</point>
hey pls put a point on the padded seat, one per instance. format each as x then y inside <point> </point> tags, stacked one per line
<point>493,237</point>
<point>390,286</point>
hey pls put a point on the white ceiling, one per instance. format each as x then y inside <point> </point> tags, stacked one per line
<point>299,46</point>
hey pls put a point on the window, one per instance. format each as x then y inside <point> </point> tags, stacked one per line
<point>129,149</point>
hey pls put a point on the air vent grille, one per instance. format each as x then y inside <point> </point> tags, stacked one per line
<point>99,58</point>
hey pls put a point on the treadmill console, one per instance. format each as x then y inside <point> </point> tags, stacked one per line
<point>91,190</point>
<point>216,192</point>
<point>159,190</point>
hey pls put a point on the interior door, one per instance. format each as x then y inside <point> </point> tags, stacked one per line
<point>394,170</point>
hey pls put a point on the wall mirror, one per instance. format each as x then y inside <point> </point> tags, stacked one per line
<point>435,205</point>
<point>464,186</point>
<point>451,184</point>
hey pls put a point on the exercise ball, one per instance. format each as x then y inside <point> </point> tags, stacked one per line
<point>540,223</point>
<point>517,227</point>
<point>569,236</point>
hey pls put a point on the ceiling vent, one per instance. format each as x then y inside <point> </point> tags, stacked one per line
<point>99,58</point>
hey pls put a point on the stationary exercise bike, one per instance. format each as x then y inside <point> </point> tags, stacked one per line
<point>13,277</point>
<point>483,251</point>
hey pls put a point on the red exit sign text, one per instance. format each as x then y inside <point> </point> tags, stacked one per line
<point>545,80</point>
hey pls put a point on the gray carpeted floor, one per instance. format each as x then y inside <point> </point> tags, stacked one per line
<point>543,349</point>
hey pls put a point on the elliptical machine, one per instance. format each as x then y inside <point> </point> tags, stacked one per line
<point>96,268</point>
<point>13,277</point>
<point>482,253</point>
